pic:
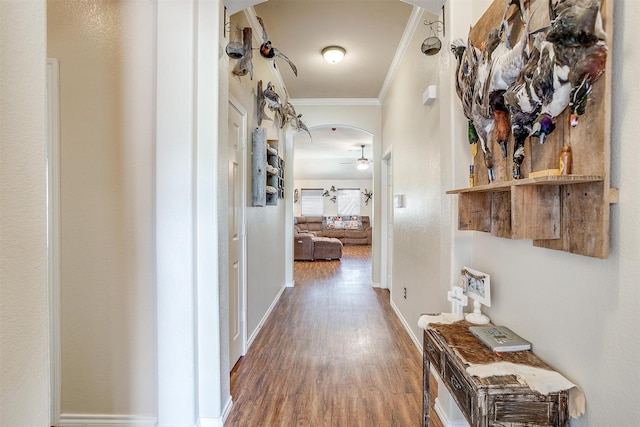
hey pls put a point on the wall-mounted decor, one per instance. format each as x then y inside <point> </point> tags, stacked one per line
<point>368,195</point>
<point>267,178</point>
<point>522,121</point>
<point>243,55</point>
<point>269,52</point>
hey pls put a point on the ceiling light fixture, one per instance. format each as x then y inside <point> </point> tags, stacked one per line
<point>363,164</point>
<point>333,54</point>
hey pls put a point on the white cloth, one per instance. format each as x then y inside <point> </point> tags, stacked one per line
<point>443,318</point>
<point>541,380</point>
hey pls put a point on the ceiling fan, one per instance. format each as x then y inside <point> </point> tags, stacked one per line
<point>363,162</point>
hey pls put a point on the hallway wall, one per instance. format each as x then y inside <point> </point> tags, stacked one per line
<point>414,132</point>
<point>106,52</point>
<point>24,332</point>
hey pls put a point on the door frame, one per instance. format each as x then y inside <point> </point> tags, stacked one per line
<point>53,234</point>
<point>234,103</point>
<point>386,210</point>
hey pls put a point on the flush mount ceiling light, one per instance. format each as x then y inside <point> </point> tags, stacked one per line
<point>333,54</point>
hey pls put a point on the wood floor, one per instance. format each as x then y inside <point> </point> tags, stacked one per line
<point>332,353</point>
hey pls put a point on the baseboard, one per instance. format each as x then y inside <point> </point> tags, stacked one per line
<point>416,341</point>
<point>103,420</point>
<point>375,284</point>
<point>210,422</point>
<point>256,331</point>
<point>226,410</point>
<point>291,284</point>
<point>446,422</point>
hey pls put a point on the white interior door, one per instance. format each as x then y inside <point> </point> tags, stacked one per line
<point>237,290</point>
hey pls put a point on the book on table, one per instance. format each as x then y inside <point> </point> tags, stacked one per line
<point>500,338</point>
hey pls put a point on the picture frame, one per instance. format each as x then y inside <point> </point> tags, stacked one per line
<point>477,285</point>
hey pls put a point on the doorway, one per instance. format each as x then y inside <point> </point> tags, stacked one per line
<point>236,238</point>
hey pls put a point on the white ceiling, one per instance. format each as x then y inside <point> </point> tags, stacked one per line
<point>371,31</point>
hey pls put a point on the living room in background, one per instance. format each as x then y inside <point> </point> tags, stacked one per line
<point>311,202</point>
<point>348,201</point>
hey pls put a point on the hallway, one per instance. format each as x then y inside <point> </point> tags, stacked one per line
<point>332,353</point>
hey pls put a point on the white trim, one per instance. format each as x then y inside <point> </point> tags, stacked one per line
<point>409,30</point>
<point>336,101</point>
<point>385,251</point>
<point>226,410</point>
<point>291,284</point>
<point>375,284</point>
<point>53,226</point>
<point>416,340</point>
<point>104,420</point>
<point>264,318</point>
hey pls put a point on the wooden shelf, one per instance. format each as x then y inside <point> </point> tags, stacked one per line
<point>570,213</point>
<point>543,180</point>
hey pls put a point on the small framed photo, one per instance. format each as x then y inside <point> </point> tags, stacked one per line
<point>477,285</point>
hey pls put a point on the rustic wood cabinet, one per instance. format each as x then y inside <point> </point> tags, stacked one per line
<point>493,401</point>
<point>569,213</point>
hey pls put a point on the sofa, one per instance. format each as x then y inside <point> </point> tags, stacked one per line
<point>328,227</point>
<point>308,247</point>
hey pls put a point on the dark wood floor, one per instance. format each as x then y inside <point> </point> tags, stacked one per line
<point>332,353</point>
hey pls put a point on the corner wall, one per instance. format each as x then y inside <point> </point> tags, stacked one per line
<point>24,317</point>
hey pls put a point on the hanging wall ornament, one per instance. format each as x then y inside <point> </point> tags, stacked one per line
<point>432,44</point>
<point>235,49</point>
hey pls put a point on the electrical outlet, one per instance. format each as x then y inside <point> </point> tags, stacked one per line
<point>405,293</point>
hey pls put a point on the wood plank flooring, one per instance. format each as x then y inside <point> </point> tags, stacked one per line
<point>332,353</point>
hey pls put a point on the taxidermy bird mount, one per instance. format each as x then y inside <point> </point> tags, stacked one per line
<point>269,52</point>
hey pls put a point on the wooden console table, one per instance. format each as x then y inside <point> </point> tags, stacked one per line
<point>492,401</point>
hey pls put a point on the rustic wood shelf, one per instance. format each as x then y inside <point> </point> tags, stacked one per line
<point>543,180</point>
<point>570,213</point>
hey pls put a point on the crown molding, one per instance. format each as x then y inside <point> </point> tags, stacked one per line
<point>337,101</point>
<point>409,30</point>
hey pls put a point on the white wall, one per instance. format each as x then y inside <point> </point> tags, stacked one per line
<point>331,208</point>
<point>24,342</point>
<point>577,311</point>
<point>107,108</point>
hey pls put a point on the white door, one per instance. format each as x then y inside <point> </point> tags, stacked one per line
<point>237,323</point>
